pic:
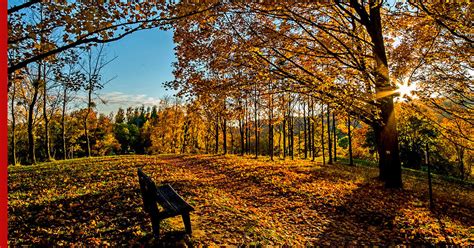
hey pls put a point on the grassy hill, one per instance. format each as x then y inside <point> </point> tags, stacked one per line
<point>238,200</point>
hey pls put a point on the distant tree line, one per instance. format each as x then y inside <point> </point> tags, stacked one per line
<point>301,129</point>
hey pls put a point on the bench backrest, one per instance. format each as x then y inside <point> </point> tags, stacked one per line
<point>148,190</point>
<point>165,195</point>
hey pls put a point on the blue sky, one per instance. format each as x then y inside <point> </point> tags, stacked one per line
<point>144,61</point>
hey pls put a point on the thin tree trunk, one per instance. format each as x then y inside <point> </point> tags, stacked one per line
<point>86,129</point>
<point>310,133</point>
<point>329,134</point>
<point>13,123</point>
<point>31,129</point>
<point>351,162</point>
<point>45,116</point>
<point>335,136</point>
<point>311,129</point>
<point>224,131</point>
<point>270,139</point>
<point>460,154</point>
<point>241,129</point>
<point>305,148</point>
<point>430,187</point>
<point>322,133</point>
<point>231,141</point>
<point>247,128</point>
<point>207,139</point>
<point>299,140</point>
<point>247,136</point>
<point>185,135</point>
<point>292,135</point>
<point>217,135</point>
<point>63,123</point>
<point>284,137</point>
<point>270,128</point>
<point>279,142</point>
<point>290,131</point>
<point>256,123</point>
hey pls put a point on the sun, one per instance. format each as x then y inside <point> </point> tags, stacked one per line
<point>406,89</point>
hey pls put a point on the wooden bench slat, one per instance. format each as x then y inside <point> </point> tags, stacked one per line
<point>165,203</point>
<point>172,198</point>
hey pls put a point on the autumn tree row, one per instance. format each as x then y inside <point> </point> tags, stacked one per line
<point>348,55</point>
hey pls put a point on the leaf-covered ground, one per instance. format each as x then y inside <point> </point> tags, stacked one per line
<point>238,201</point>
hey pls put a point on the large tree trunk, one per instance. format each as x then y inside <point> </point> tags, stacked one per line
<point>386,128</point>
<point>386,132</point>
<point>387,147</point>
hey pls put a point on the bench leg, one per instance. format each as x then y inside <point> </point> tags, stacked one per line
<point>187,223</point>
<point>155,223</point>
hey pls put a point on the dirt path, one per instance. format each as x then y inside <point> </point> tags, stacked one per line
<point>275,204</point>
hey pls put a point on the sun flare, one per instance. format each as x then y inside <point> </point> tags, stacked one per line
<point>406,89</point>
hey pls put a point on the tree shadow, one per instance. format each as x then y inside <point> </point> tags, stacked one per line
<point>371,216</point>
<point>113,217</point>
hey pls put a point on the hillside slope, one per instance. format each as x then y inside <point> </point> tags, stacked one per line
<point>237,200</point>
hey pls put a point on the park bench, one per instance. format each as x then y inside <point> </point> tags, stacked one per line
<point>172,203</point>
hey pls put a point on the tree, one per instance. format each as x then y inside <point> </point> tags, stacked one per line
<point>36,82</point>
<point>12,96</point>
<point>94,61</point>
<point>122,135</point>
<point>81,23</point>
<point>347,66</point>
<point>328,115</point>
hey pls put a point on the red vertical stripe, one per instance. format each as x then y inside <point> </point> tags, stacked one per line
<point>3,126</point>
